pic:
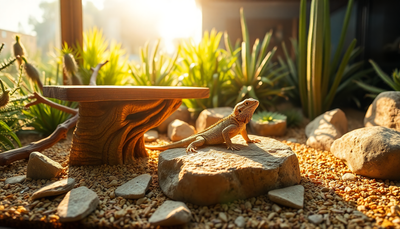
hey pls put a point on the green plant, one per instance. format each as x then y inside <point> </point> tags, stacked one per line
<point>293,117</point>
<point>317,78</point>
<point>157,70</point>
<point>205,65</point>
<point>255,75</point>
<point>393,82</point>
<point>96,49</point>
<point>267,116</point>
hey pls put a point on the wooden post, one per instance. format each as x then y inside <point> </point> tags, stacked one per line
<point>71,23</point>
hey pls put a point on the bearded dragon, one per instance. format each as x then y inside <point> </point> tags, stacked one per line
<point>220,132</point>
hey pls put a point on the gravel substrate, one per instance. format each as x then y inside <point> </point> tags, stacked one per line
<point>363,203</point>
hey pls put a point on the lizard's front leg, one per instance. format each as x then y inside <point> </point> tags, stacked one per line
<point>246,137</point>
<point>196,143</point>
<point>226,134</point>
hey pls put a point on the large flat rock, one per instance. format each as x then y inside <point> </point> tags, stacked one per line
<point>217,175</point>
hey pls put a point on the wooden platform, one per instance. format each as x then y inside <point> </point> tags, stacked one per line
<point>121,93</point>
<point>113,119</point>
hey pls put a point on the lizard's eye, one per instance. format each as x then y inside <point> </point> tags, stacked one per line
<point>247,103</point>
<point>240,111</point>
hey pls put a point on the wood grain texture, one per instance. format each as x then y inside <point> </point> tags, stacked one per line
<point>111,132</point>
<point>120,93</point>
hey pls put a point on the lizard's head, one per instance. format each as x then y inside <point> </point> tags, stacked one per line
<point>244,110</point>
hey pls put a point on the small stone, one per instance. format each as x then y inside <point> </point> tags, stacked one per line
<point>324,129</point>
<point>77,204</point>
<point>349,177</point>
<point>223,216</point>
<point>113,183</point>
<point>140,201</point>
<point>325,189</point>
<point>150,136</point>
<point>111,178</point>
<point>178,130</point>
<point>42,167</point>
<point>290,197</point>
<point>240,221</point>
<point>247,205</point>
<point>171,213</point>
<point>15,180</point>
<point>276,208</point>
<point>315,219</point>
<point>54,189</point>
<point>182,114</point>
<point>210,116</point>
<point>135,188</point>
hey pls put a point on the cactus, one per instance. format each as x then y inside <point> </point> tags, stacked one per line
<point>19,50</point>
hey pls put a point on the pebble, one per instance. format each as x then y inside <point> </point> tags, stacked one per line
<point>171,213</point>
<point>150,136</point>
<point>56,188</point>
<point>276,208</point>
<point>77,204</point>
<point>15,180</point>
<point>240,221</point>
<point>223,216</point>
<point>292,196</point>
<point>315,219</point>
<point>113,183</point>
<point>349,177</point>
<point>135,188</point>
<point>42,167</point>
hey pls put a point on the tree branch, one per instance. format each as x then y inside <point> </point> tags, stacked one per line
<point>41,99</point>
<point>96,70</point>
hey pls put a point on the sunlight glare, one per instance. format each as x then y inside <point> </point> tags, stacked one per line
<point>181,19</point>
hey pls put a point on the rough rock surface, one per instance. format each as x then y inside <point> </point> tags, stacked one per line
<point>42,167</point>
<point>178,130</point>
<point>384,111</point>
<point>217,175</point>
<point>77,204</point>
<point>56,188</point>
<point>14,180</point>
<point>135,188</point>
<point>273,128</point>
<point>182,114</point>
<point>326,128</point>
<point>290,196</point>
<point>150,136</point>
<point>210,116</point>
<point>371,151</point>
<point>171,213</point>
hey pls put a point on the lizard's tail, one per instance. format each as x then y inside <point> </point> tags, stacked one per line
<point>179,144</point>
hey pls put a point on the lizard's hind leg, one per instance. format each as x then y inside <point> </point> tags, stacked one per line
<point>196,143</point>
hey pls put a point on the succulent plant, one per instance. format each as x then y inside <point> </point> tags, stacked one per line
<point>19,50</point>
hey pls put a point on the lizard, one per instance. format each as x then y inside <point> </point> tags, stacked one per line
<point>220,132</point>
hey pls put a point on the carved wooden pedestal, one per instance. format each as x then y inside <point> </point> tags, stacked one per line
<point>112,132</point>
<point>113,119</point>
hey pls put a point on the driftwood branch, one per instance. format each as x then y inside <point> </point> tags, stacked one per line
<point>60,132</point>
<point>41,99</point>
<point>96,70</point>
<point>24,152</point>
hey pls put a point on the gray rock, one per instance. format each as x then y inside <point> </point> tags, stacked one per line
<point>210,116</point>
<point>135,188</point>
<point>290,197</point>
<point>56,188</point>
<point>42,167</point>
<point>324,129</point>
<point>14,180</point>
<point>217,175</point>
<point>384,111</point>
<point>240,222</point>
<point>171,213</point>
<point>150,136</point>
<point>349,177</point>
<point>182,114</point>
<point>315,219</point>
<point>77,204</point>
<point>178,130</point>
<point>370,151</point>
<point>272,128</point>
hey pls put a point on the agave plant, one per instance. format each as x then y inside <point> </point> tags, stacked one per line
<point>157,70</point>
<point>393,82</point>
<point>255,75</point>
<point>205,65</point>
<point>96,49</point>
<point>317,78</point>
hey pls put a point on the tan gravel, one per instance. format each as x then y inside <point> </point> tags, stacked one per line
<point>363,203</point>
